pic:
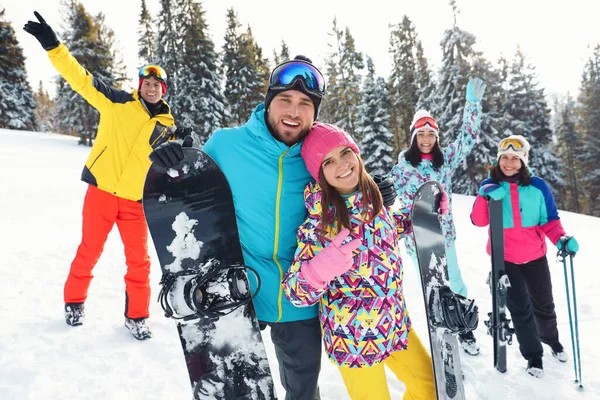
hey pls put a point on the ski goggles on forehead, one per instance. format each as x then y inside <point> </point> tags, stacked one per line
<point>153,70</point>
<point>285,75</point>
<point>515,143</point>
<point>422,122</point>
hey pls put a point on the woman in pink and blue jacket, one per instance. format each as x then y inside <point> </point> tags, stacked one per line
<point>348,262</point>
<point>529,215</point>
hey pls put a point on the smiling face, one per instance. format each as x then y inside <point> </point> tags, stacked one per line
<point>151,90</point>
<point>341,169</point>
<point>426,139</point>
<point>510,164</point>
<point>291,115</point>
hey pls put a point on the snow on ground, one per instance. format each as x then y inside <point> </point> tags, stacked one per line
<point>42,358</point>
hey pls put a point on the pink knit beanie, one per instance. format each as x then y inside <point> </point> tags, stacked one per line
<point>321,139</point>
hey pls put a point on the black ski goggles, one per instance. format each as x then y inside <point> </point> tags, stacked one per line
<point>285,75</point>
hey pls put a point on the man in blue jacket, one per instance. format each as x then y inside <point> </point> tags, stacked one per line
<point>267,175</point>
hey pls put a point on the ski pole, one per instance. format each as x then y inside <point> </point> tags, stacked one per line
<point>576,358</point>
<point>576,321</point>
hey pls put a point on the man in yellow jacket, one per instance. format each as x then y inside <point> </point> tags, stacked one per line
<point>131,125</point>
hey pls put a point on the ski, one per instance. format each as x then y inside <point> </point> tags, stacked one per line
<point>498,324</point>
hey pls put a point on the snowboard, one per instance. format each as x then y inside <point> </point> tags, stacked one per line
<point>431,255</point>
<point>204,286</point>
<point>498,325</point>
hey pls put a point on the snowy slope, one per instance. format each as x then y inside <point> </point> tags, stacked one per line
<point>43,358</point>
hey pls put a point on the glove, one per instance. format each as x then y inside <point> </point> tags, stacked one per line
<point>569,243</point>
<point>387,189</point>
<point>492,190</point>
<point>182,131</point>
<point>170,154</point>
<point>42,32</point>
<point>334,260</point>
<point>475,89</point>
<point>445,204</point>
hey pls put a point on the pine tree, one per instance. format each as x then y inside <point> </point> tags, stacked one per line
<point>203,107</point>
<point>372,124</point>
<point>283,55</point>
<point>343,77</point>
<point>17,105</point>
<point>569,150</point>
<point>169,43</point>
<point>589,126</point>
<point>90,42</point>
<point>146,37</point>
<point>529,116</point>
<point>246,71</point>
<point>44,112</point>
<point>404,81</point>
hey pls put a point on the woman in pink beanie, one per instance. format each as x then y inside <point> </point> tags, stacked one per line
<point>348,261</point>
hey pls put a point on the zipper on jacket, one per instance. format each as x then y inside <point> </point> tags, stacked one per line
<point>96,159</point>
<point>159,137</point>
<point>276,242</point>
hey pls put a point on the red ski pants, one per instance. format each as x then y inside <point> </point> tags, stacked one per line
<point>101,210</point>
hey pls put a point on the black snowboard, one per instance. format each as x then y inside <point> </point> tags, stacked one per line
<point>431,254</point>
<point>498,325</point>
<point>191,217</point>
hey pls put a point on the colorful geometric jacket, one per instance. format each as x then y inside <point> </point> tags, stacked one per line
<point>529,214</point>
<point>362,312</point>
<point>408,179</point>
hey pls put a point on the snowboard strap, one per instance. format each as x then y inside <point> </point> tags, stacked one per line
<point>452,311</point>
<point>207,295</point>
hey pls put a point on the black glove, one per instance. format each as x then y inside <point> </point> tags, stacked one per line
<point>170,154</point>
<point>387,189</point>
<point>42,32</point>
<point>182,131</point>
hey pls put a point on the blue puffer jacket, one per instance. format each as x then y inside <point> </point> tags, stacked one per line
<point>267,179</point>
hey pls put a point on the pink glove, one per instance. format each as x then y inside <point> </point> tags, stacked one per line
<point>445,204</point>
<point>334,260</point>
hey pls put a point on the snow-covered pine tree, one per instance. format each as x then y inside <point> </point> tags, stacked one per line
<point>344,79</point>
<point>372,124</point>
<point>203,105</point>
<point>569,150</point>
<point>44,112</point>
<point>146,37</point>
<point>245,70</point>
<point>90,42</point>
<point>403,82</point>
<point>17,105</point>
<point>283,55</point>
<point>529,115</point>
<point>168,48</point>
<point>588,111</point>
<point>426,82</point>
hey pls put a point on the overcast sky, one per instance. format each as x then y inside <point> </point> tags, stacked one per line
<point>557,36</point>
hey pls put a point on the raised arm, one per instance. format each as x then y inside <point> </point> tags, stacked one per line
<point>462,146</point>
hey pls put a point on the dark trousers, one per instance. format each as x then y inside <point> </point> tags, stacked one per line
<point>531,306</point>
<point>298,351</point>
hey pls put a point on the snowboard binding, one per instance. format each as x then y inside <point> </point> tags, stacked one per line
<point>192,294</point>
<point>452,311</point>
<point>505,331</point>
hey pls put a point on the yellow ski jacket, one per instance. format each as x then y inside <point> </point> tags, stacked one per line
<point>127,132</point>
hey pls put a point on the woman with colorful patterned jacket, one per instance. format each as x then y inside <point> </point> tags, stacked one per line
<point>425,160</point>
<point>348,261</point>
<point>529,215</point>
